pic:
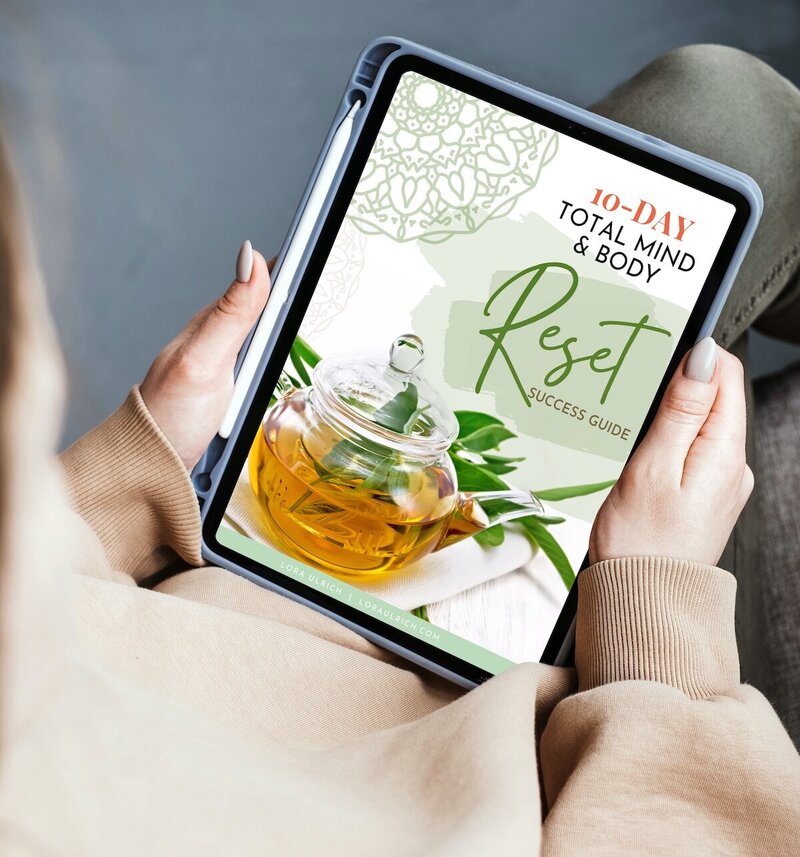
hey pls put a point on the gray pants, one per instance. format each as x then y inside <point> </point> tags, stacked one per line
<point>731,107</point>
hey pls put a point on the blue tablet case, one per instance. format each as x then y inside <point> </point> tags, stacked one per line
<point>364,81</point>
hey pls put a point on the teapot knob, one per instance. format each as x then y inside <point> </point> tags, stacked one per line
<point>406,353</point>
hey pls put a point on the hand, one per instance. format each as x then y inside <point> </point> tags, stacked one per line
<point>189,385</point>
<point>685,486</point>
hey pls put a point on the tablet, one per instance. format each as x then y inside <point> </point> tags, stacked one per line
<point>466,349</point>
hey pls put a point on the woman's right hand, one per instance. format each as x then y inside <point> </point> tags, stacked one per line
<point>685,486</point>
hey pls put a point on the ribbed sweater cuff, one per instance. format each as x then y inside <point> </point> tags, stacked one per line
<point>657,619</point>
<point>131,487</point>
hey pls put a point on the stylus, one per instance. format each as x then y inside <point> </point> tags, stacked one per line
<point>291,260</point>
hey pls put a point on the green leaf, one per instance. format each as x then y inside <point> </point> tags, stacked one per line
<point>379,477</point>
<point>501,459</point>
<point>421,613</point>
<point>488,437</point>
<point>302,355</point>
<point>305,352</point>
<point>412,420</point>
<point>399,480</point>
<point>340,458</point>
<point>501,506</point>
<point>300,368</point>
<point>499,469</point>
<point>347,462</point>
<point>500,464</point>
<point>555,494</point>
<point>396,415</point>
<point>495,508</point>
<point>473,477</point>
<point>549,520</point>
<point>294,381</point>
<point>470,421</point>
<point>490,537</point>
<point>550,548</point>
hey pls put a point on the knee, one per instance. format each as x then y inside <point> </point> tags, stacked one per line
<point>709,67</point>
<point>700,59</point>
<point>716,101</point>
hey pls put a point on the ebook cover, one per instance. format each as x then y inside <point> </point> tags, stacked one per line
<point>492,323</point>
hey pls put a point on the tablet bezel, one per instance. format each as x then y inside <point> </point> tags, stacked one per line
<point>380,99</point>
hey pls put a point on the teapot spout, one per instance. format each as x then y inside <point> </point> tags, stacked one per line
<point>476,511</point>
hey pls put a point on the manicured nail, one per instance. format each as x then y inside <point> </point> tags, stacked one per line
<point>702,361</point>
<point>244,263</point>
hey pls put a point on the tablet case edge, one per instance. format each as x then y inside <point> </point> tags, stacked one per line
<point>363,81</point>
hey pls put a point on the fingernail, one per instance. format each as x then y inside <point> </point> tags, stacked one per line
<point>702,361</point>
<point>244,263</point>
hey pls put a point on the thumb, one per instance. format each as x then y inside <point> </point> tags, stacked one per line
<point>686,405</point>
<point>223,328</point>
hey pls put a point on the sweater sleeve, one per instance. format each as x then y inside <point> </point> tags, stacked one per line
<point>129,485</point>
<point>662,750</point>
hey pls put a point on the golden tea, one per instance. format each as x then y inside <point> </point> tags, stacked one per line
<point>334,504</point>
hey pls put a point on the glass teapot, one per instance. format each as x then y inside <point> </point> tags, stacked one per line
<point>352,472</point>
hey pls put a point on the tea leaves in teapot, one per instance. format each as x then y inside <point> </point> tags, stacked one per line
<point>379,477</point>
<point>348,461</point>
<point>367,467</point>
<point>401,411</point>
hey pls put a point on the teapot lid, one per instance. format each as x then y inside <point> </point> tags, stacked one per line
<point>387,400</point>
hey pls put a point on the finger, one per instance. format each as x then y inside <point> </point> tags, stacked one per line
<point>725,428</point>
<point>223,329</point>
<point>727,418</point>
<point>240,305</point>
<point>683,411</point>
<point>246,296</point>
<point>217,332</point>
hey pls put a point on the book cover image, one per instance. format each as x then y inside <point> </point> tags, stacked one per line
<point>493,321</point>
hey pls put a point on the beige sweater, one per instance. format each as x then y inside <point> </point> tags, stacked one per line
<point>210,716</point>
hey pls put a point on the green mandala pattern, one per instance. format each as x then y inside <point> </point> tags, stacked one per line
<point>444,163</point>
<point>338,282</point>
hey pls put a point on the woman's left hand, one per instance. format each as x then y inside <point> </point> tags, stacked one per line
<point>189,385</point>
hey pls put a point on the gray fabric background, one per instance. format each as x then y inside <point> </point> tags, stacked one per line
<point>155,136</point>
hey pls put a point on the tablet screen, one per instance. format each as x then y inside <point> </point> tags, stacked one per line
<point>493,320</point>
